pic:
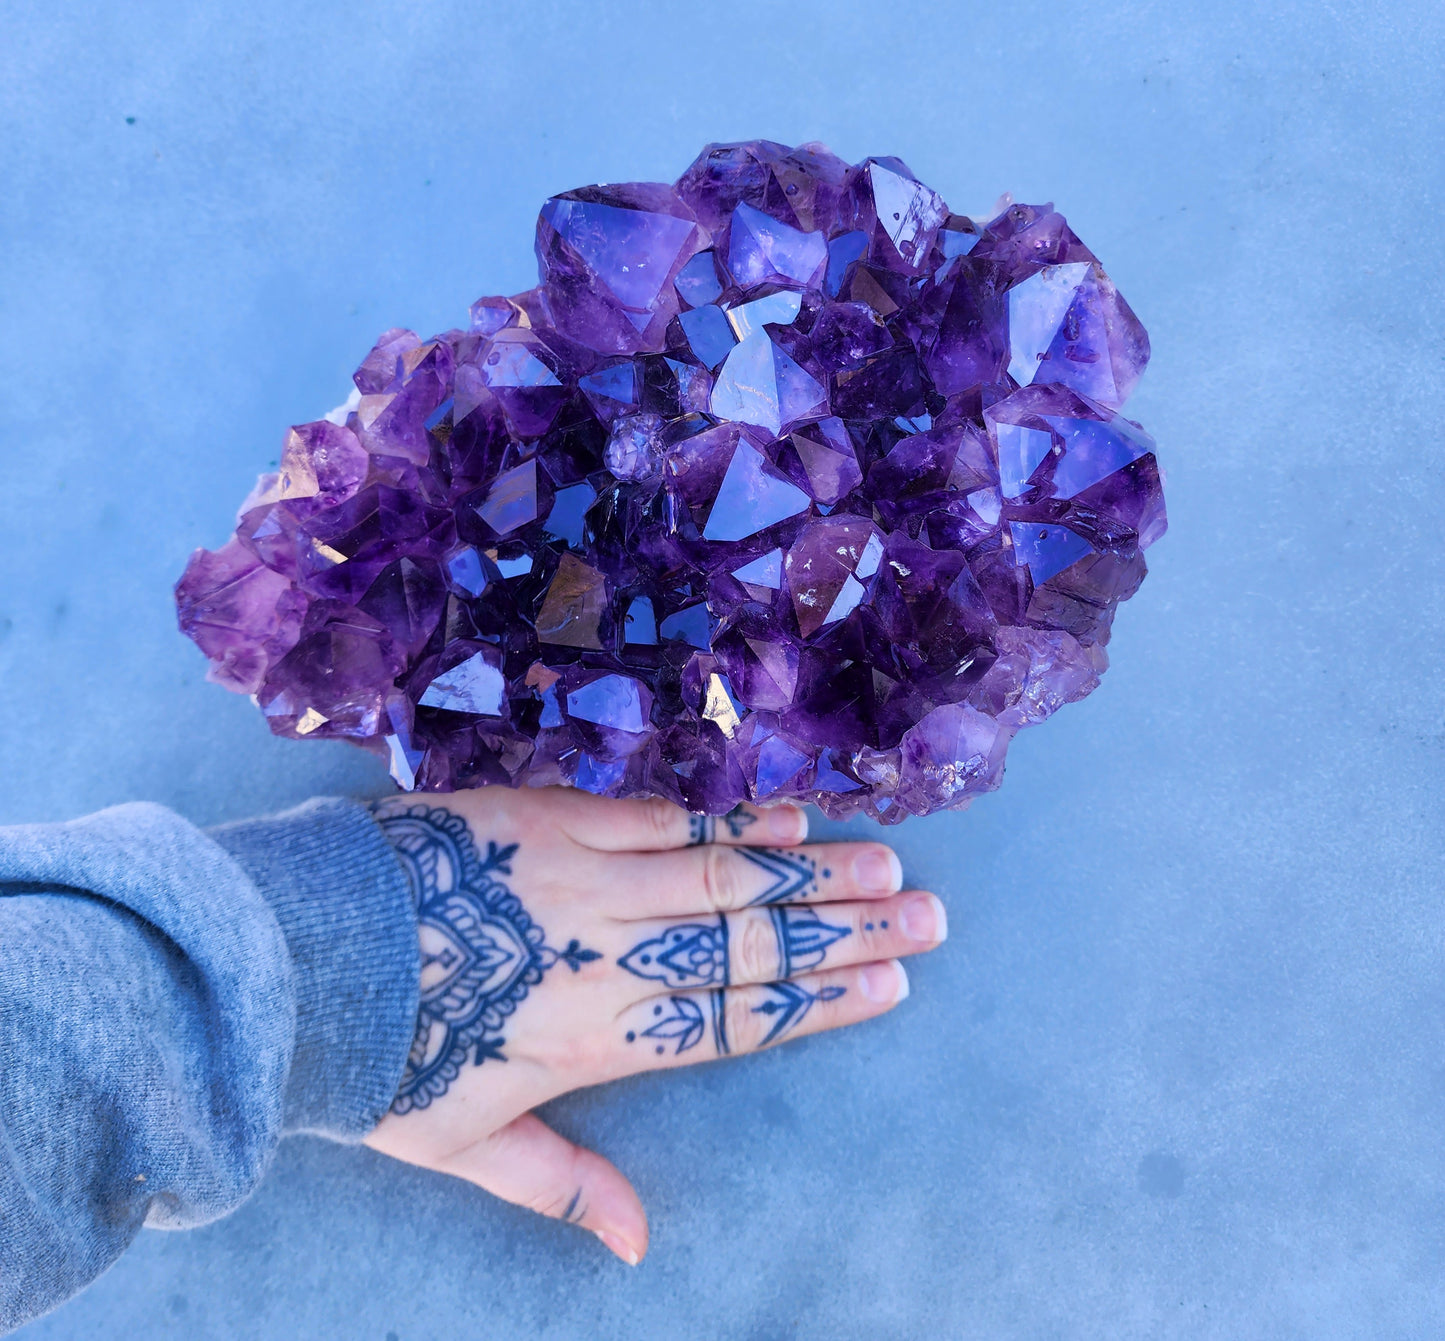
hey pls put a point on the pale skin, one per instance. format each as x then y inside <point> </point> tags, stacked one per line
<point>650,949</point>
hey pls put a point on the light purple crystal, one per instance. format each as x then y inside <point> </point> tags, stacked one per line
<point>635,447</point>
<point>475,687</point>
<point>785,482</point>
<point>763,250</point>
<point>751,498</point>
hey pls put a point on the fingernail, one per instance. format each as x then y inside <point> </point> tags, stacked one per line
<point>884,984</point>
<point>618,1248</point>
<point>924,919</point>
<point>878,870</point>
<point>787,824</point>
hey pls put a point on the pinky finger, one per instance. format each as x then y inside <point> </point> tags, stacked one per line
<point>685,1027</point>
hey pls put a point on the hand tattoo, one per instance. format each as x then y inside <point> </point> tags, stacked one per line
<point>683,1022</point>
<point>481,951</point>
<point>792,875</point>
<point>790,1002</point>
<point>803,938</point>
<point>695,954</point>
<point>703,828</point>
<point>692,955</point>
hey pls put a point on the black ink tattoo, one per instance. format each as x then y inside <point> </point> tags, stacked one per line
<point>737,819</point>
<point>703,828</point>
<point>792,875</point>
<point>683,1024</point>
<point>718,1000</point>
<point>574,956</point>
<point>692,955</point>
<point>695,954</point>
<point>481,951</point>
<point>790,1002</point>
<point>803,938</point>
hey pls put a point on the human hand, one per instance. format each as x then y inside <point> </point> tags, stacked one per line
<point>568,940</point>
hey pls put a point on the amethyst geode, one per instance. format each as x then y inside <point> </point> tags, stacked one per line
<point>785,482</point>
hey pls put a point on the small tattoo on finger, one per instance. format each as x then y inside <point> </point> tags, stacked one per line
<point>737,819</point>
<point>694,954</point>
<point>788,1003</point>
<point>681,1024</point>
<point>803,939</point>
<point>703,829</point>
<point>700,830</point>
<point>792,876</point>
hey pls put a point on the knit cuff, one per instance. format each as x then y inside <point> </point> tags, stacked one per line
<point>345,907</point>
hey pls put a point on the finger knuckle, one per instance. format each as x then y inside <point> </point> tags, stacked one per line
<point>742,1024</point>
<point>572,1055</point>
<point>659,818</point>
<point>720,878</point>
<point>755,951</point>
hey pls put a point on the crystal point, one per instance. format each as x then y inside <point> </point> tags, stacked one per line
<point>751,498</point>
<point>475,686</point>
<point>574,605</point>
<point>762,250</point>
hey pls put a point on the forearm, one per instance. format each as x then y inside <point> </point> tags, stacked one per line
<point>171,1004</point>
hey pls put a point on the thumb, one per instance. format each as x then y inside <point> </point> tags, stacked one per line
<point>527,1163</point>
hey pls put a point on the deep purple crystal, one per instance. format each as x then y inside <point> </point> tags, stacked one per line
<point>785,482</point>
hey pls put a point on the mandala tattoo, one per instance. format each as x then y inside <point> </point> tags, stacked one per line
<point>792,876</point>
<point>703,828</point>
<point>481,953</point>
<point>692,955</point>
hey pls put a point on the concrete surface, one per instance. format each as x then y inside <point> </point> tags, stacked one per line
<point>1181,1071</point>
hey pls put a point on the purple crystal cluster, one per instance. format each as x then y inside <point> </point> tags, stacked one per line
<point>784,482</point>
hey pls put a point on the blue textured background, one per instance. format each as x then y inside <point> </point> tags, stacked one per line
<point>1180,1071</point>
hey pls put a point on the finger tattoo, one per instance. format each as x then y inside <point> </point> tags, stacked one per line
<point>788,1003</point>
<point>737,819</point>
<point>703,828</point>
<point>718,1002</point>
<point>792,876</point>
<point>692,955</point>
<point>681,1022</point>
<point>700,830</point>
<point>803,938</point>
<point>481,952</point>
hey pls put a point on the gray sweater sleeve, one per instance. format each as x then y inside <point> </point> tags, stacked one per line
<point>172,1003</point>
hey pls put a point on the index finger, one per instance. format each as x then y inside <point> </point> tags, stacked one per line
<point>654,825</point>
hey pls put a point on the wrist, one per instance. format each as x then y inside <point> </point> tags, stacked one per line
<point>342,899</point>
